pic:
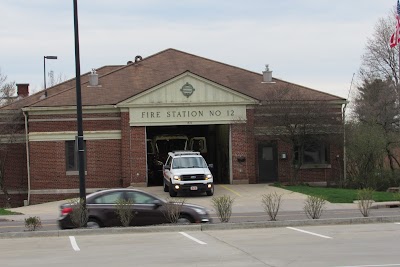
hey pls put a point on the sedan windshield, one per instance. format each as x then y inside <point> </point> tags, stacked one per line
<point>189,162</point>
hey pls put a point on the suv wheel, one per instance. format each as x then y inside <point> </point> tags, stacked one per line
<point>172,192</point>
<point>165,186</point>
<point>210,192</point>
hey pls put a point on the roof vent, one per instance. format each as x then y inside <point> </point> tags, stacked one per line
<point>129,62</point>
<point>267,75</point>
<point>93,78</point>
<point>138,58</point>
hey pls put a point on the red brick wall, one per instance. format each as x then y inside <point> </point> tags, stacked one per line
<point>48,166</point>
<point>251,148</point>
<point>138,168</point>
<point>15,173</point>
<point>15,166</point>
<point>88,125</point>
<point>125,149</point>
<point>328,174</point>
<point>244,145</point>
<point>240,171</point>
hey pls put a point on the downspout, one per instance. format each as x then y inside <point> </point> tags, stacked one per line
<point>27,157</point>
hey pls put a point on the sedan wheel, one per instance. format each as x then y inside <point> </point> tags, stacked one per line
<point>184,219</point>
<point>93,224</point>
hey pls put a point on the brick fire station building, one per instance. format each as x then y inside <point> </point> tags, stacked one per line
<point>168,93</point>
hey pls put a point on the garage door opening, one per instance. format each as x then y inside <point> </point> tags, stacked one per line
<point>212,141</point>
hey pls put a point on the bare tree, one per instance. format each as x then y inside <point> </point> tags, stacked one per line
<point>7,90</point>
<point>379,60</point>
<point>55,79</point>
<point>305,124</point>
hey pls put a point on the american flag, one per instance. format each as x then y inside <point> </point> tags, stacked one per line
<point>395,38</point>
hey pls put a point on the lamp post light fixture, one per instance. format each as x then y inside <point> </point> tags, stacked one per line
<point>44,71</point>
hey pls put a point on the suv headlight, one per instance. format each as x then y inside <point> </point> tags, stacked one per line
<point>177,177</point>
<point>209,176</point>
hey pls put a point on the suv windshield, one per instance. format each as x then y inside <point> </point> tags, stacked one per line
<point>189,162</point>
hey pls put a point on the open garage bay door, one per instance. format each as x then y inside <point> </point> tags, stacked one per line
<point>212,141</point>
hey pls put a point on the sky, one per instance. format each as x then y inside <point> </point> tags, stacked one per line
<point>314,43</point>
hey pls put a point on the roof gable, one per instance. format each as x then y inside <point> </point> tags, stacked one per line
<point>186,89</point>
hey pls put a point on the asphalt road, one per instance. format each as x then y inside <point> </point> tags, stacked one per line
<point>322,246</point>
<point>47,225</point>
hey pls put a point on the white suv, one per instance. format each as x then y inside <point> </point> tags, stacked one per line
<point>187,171</point>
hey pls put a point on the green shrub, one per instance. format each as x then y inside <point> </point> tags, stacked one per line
<point>33,223</point>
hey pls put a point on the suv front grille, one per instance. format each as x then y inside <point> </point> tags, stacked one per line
<point>192,177</point>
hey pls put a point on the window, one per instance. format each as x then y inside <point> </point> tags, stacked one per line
<point>109,198</point>
<point>71,155</point>
<point>314,152</point>
<point>140,198</point>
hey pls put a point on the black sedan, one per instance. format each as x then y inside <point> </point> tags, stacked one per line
<point>147,210</point>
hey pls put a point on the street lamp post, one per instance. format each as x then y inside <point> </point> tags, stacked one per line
<point>44,71</point>
<point>81,165</point>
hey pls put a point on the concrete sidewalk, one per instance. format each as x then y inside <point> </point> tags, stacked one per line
<point>247,199</point>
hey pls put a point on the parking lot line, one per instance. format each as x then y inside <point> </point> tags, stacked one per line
<point>192,238</point>
<point>233,191</point>
<point>379,265</point>
<point>73,243</point>
<point>307,232</point>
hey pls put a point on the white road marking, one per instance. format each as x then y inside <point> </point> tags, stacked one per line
<point>311,233</point>
<point>396,223</point>
<point>74,244</point>
<point>379,265</point>
<point>194,239</point>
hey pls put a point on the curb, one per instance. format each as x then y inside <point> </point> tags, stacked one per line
<point>200,227</point>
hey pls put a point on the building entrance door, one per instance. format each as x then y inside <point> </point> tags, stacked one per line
<point>267,163</point>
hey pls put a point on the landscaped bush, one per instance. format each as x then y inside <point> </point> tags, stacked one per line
<point>124,211</point>
<point>223,207</point>
<point>33,223</point>
<point>314,206</point>
<point>365,200</point>
<point>79,214</point>
<point>271,203</point>
<point>172,209</point>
